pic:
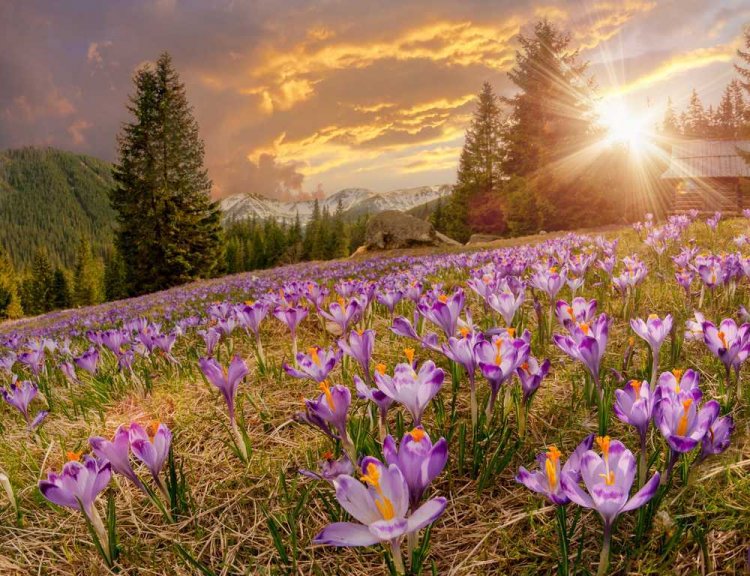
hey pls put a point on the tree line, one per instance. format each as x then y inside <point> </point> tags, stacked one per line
<point>536,161</point>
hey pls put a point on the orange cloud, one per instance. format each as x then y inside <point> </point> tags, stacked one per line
<point>680,63</point>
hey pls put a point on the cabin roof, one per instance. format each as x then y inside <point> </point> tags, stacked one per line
<point>708,159</point>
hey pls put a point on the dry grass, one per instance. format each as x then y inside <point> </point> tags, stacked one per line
<point>503,530</point>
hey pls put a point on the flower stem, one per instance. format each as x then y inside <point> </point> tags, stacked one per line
<point>398,562</point>
<point>642,464</point>
<point>101,532</point>
<point>604,556</point>
<point>562,533</point>
<point>474,408</point>
<point>239,440</point>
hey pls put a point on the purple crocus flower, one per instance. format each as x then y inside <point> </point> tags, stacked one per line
<point>634,405</point>
<point>444,311</point>
<point>88,361</point>
<point>360,346</point>
<point>586,344</point>
<point>414,390</point>
<point>678,382</point>
<point>461,351</point>
<point>654,331</point>
<point>419,460</point>
<point>376,396</point>
<point>251,314</point>
<point>69,372</point>
<point>78,485</point>
<point>329,468</point>
<point>331,408</point>
<point>225,379</point>
<point>498,360</point>
<point>546,480</point>
<point>578,311</point>
<point>506,304</point>
<point>729,343</point>
<point>211,337</point>
<point>531,373</point>
<point>7,361</point>
<point>341,314</point>
<point>117,453</point>
<point>151,446</point>
<point>548,280</point>
<point>389,298</point>
<point>717,437</point>
<point>402,327</point>
<point>608,479</point>
<point>291,316</point>
<point>680,421</point>
<point>33,359</point>
<point>20,396</point>
<point>380,507</point>
<point>316,364</point>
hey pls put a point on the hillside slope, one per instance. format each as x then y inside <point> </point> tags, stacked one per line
<point>50,197</point>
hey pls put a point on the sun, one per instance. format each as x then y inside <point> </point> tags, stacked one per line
<point>622,125</point>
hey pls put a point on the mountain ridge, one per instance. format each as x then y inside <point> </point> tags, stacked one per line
<point>354,201</point>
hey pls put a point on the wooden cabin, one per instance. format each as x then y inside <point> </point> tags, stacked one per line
<point>706,175</point>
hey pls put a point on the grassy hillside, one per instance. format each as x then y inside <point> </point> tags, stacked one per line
<point>50,197</point>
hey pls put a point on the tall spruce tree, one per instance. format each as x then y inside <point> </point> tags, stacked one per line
<point>38,286</point>
<point>475,194</point>
<point>10,302</point>
<point>169,229</point>
<point>86,278</point>
<point>549,126</point>
<point>61,296</point>
<point>695,122</point>
<point>670,126</point>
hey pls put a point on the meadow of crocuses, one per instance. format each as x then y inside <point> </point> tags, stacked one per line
<point>572,405</point>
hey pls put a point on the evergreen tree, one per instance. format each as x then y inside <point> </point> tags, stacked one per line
<point>169,229</point>
<point>86,277</point>
<point>437,218</point>
<point>61,296</point>
<point>338,239</point>
<point>670,126</point>
<point>695,124</point>
<point>115,277</point>
<point>479,170</point>
<point>549,128</point>
<point>312,234</point>
<point>10,303</point>
<point>38,286</point>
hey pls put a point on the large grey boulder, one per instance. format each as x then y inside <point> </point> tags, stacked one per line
<point>393,229</point>
<point>482,238</point>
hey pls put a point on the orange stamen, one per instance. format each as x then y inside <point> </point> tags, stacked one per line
<point>73,456</point>
<point>409,352</point>
<point>443,298</point>
<point>380,368</point>
<point>329,397</point>
<point>152,427</point>
<point>384,505</point>
<point>636,386</point>
<point>417,434</point>
<point>314,356</point>
<point>683,423</point>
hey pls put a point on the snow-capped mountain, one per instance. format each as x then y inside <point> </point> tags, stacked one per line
<point>354,201</point>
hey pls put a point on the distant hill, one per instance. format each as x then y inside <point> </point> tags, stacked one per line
<point>354,201</point>
<point>51,197</point>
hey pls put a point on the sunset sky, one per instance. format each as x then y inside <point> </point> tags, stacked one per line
<point>296,98</point>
